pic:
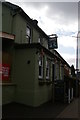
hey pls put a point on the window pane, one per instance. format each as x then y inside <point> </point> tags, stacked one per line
<point>40,66</point>
<point>47,69</point>
<point>28,34</point>
<point>40,62</point>
<point>38,40</point>
<point>39,70</point>
<point>28,31</point>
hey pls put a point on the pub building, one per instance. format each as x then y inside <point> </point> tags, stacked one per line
<point>33,72</point>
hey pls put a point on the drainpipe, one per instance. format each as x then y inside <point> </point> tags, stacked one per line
<point>12,14</point>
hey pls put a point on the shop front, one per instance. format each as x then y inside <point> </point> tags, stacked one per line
<point>7,51</point>
<point>8,88</point>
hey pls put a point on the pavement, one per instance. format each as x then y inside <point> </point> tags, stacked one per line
<point>48,110</point>
<point>71,111</point>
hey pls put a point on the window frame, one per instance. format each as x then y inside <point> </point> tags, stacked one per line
<point>47,69</point>
<point>28,35</point>
<point>39,40</point>
<point>40,63</point>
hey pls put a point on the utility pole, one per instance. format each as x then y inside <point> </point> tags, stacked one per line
<point>77,54</point>
<point>77,65</point>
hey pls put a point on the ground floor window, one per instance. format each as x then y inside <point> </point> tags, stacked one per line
<point>40,66</point>
<point>5,66</point>
<point>47,69</point>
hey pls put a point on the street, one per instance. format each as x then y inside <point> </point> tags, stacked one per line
<point>48,110</point>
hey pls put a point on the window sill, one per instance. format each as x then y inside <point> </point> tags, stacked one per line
<point>40,78</point>
<point>47,79</point>
<point>41,82</point>
<point>45,82</point>
<point>48,82</point>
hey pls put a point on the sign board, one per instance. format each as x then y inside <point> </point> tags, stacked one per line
<point>53,43</point>
<point>4,71</point>
<point>6,35</point>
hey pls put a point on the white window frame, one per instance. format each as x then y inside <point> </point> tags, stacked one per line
<point>39,40</point>
<point>41,65</point>
<point>47,69</point>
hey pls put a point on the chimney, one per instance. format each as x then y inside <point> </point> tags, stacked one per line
<point>35,22</point>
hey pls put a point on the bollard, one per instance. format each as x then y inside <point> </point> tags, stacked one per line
<point>72,93</point>
<point>69,95</point>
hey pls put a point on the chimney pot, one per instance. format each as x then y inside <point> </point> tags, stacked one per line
<point>35,22</point>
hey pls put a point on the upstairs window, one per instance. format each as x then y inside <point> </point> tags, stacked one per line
<point>40,67</point>
<point>28,34</point>
<point>40,40</point>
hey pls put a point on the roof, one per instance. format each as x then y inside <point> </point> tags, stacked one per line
<point>19,10</point>
<point>10,5</point>
<point>62,58</point>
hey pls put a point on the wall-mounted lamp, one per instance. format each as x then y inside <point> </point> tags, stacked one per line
<point>28,62</point>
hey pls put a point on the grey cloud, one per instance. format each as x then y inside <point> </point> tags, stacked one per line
<point>68,11</point>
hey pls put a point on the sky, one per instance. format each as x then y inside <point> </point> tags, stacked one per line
<point>60,17</point>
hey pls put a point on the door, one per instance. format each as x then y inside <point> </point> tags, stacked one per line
<point>53,66</point>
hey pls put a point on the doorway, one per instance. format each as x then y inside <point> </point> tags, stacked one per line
<point>53,74</point>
